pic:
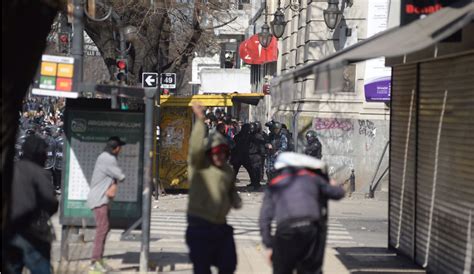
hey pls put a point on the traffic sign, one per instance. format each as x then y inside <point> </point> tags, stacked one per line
<point>168,80</point>
<point>56,77</point>
<point>149,80</point>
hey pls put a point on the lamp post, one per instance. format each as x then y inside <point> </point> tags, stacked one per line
<point>265,36</point>
<point>278,23</point>
<point>332,15</point>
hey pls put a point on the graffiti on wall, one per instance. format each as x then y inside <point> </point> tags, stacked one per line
<point>333,123</point>
<point>368,129</point>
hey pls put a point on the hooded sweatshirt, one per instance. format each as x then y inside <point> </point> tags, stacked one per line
<point>212,189</point>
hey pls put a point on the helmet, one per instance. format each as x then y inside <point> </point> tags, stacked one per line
<point>297,160</point>
<point>311,136</point>
<point>277,125</point>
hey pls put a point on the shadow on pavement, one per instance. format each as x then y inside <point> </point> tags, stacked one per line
<point>375,260</point>
<point>159,261</point>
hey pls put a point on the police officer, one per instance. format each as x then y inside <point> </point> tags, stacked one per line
<point>293,200</point>
<point>256,151</point>
<point>240,155</point>
<point>278,144</point>
<point>313,145</point>
<point>264,152</point>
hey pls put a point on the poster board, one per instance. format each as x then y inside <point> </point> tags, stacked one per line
<point>175,125</point>
<point>87,130</point>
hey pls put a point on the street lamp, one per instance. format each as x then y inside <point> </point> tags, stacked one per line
<point>278,23</point>
<point>332,15</point>
<point>265,37</point>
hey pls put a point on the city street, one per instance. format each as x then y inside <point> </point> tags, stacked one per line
<point>356,242</point>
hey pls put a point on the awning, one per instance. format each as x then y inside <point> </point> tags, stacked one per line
<point>217,100</point>
<point>253,53</point>
<point>395,42</point>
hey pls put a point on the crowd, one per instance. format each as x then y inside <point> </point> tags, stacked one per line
<point>253,147</point>
<point>298,187</point>
<point>43,117</point>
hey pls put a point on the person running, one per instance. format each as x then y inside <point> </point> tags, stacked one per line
<point>293,199</point>
<point>212,193</point>
<point>103,188</point>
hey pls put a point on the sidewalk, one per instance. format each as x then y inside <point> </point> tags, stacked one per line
<point>170,256</point>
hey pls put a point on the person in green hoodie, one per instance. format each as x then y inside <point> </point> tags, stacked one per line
<point>212,194</point>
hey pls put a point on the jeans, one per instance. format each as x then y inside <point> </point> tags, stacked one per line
<point>101,215</point>
<point>29,257</point>
<point>211,244</point>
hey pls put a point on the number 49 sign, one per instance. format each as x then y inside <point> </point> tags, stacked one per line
<point>168,80</point>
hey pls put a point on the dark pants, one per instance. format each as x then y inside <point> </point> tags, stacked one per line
<point>297,247</point>
<point>22,253</point>
<point>252,165</point>
<point>57,178</point>
<point>211,244</point>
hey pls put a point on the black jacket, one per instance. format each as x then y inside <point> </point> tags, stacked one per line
<point>32,193</point>
<point>314,149</point>
<point>294,195</point>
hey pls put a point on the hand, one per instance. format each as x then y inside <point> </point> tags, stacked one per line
<point>198,110</point>
<point>333,182</point>
<point>269,256</point>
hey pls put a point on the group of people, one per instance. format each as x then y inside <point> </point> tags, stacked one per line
<point>251,146</point>
<point>296,198</point>
<point>43,117</point>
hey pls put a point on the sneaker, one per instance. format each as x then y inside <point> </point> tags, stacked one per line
<point>99,267</point>
<point>104,264</point>
<point>96,268</point>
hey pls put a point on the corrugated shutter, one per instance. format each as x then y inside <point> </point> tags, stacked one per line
<point>402,158</point>
<point>446,165</point>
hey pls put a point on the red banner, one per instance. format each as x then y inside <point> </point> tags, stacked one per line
<point>251,52</point>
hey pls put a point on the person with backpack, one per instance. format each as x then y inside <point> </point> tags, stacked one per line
<point>293,199</point>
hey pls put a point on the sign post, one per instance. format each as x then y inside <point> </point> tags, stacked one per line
<point>149,80</point>
<point>168,80</point>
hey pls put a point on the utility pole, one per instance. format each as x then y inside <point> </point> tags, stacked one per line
<point>77,49</point>
<point>150,94</point>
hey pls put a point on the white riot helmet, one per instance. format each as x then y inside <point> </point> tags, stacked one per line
<point>298,160</point>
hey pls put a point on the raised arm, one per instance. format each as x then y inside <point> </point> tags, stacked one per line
<point>196,141</point>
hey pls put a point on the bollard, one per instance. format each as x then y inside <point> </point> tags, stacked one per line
<point>352,182</point>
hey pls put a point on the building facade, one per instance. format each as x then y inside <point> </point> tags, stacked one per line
<point>353,130</point>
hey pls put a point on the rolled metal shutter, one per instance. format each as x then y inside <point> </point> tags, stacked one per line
<point>402,158</point>
<point>445,173</point>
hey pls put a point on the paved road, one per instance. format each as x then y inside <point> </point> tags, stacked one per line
<point>355,227</point>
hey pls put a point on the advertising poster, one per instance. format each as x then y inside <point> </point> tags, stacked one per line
<point>377,78</point>
<point>87,133</point>
<point>176,125</point>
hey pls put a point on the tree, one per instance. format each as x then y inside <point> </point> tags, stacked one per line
<point>161,37</point>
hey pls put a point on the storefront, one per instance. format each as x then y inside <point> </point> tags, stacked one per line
<point>431,167</point>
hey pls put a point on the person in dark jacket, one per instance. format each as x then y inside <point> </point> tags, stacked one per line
<point>313,145</point>
<point>240,155</point>
<point>33,203</point>
<point>278,144</point>
<point>293,200</point>
<point>256,152</point>
<point>264,152</point>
